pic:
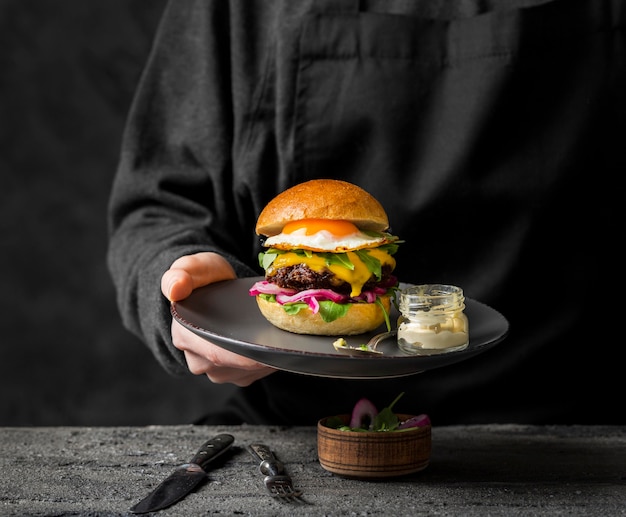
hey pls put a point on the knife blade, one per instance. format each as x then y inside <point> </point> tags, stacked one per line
<point>185,478</point>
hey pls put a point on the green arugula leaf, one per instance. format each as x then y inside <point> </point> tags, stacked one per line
<point>385,313</point>
<point>294,308</point>
<point>386,420</point>
<point>390,247</point>
<point>303,253</point>
<point>372,263</point>
<point>266,259</point>
<point>337,259</point>
<point>330,311</point>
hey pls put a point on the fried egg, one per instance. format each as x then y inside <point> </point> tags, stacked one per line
<point>324,235</point>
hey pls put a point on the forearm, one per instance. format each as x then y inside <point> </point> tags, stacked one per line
<point>170,198</point>
<point>137,268</point>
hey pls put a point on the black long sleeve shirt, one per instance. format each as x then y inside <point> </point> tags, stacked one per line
<point>492,135</point>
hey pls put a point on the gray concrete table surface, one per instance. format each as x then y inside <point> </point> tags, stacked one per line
<point>474,470</point>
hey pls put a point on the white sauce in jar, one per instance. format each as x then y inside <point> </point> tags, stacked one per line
<point>432,320</point>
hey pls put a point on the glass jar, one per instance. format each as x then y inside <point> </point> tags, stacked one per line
<point>432,320</point>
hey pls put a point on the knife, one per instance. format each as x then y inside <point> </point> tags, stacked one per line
<point>186,477</point>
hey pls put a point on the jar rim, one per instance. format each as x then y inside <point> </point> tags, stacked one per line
<point>431,297</point>
<point>432,290</point>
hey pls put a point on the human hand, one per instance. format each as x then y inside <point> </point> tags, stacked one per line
<point>203,357</point>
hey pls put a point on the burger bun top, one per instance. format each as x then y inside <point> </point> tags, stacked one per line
<point>322,199</point>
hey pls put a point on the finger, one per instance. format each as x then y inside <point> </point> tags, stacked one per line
<point>217,374</point>
<point>176,284</point>
<point>192,271</point>
<point>221,366</point>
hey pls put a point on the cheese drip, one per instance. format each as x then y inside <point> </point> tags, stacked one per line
<point>356,277</point>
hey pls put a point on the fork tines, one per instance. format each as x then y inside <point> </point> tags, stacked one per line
<point>278,483</point>
<point>282,487</point>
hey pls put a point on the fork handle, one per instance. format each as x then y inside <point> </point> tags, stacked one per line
<point>269,463</point>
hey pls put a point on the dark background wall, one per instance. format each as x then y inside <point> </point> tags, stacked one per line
<point>67,74</point>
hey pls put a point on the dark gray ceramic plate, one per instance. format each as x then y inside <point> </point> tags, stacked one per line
<point>225,314</point>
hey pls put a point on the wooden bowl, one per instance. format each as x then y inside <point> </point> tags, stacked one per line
<point>373,454</point>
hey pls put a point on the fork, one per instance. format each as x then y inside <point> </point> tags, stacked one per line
<point>277,482</point>
<point>367,349</point>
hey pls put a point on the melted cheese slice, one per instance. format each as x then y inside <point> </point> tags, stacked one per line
<point>356,277</point>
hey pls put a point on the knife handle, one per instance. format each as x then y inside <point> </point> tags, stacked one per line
<point>269,463</point>
<point>211,449</point>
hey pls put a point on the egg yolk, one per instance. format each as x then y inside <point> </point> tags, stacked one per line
<point>312,226</point>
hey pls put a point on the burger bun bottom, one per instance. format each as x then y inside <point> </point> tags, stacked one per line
<point>360,318</point>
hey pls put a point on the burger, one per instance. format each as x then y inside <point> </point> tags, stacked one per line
<point>328,260</point>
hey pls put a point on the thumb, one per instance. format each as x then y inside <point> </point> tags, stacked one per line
<point>192,271</point>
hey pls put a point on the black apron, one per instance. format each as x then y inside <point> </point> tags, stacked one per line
<point>504,129</point>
